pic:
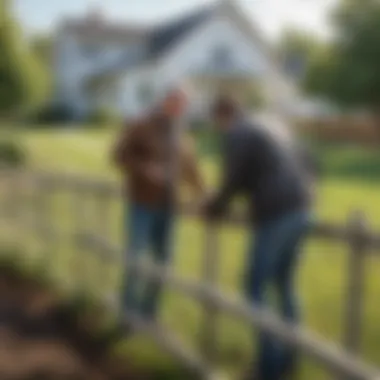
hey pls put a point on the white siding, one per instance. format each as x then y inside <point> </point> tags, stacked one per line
<point>191,57</point>
<point>69,72</point>
<point>131,104</point>
<point>195,53</point>
<point>73,67</point>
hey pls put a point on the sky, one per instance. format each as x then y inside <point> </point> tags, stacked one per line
<point>270,15</point>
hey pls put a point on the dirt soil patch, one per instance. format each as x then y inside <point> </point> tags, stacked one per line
<point>43,339</point>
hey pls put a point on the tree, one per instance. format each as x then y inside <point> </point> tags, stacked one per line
<point>347,71</point>
<point>12,91</point>
<point>41,51</point>
<point>320,76</point>
<point>22,81</point>
<point>296,50</point>
<point>42,47</point>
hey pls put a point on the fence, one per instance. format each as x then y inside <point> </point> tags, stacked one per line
<point>348,129</point>
<point>31,192</point>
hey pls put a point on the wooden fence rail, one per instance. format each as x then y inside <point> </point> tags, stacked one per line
<point>91,235</point>
<point>333,358</point>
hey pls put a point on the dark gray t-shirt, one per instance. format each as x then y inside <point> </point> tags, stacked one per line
<point>270,172</point>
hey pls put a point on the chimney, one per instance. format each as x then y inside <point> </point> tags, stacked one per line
<point>95,14</point>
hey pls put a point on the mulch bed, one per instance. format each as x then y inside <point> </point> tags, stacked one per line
<point>43,339</point>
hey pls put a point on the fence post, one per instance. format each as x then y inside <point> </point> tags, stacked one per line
<point>15,197</point>
<point>210,277</point>
<point>104,233</point>
<point>355,285</point>
<point>44,221</point>
<point>32,210</point>
<point>78,227</point>
<point>19,205</point>
<point>10,206</point>
<point>5,182</point>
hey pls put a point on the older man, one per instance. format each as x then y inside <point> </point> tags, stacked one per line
<point>153,155</point>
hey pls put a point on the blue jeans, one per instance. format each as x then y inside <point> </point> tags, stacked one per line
<point>148,228</point>
<point>272,263</point>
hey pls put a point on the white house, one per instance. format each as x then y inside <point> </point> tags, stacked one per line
<point>126,67</point>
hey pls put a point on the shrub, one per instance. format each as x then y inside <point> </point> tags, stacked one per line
<point>103,117</point>
<point>11,154</point>
<point>52,114</point>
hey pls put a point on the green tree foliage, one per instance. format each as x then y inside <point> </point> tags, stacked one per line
<point>348,71</point>
<point>296,50</point>
<point>104,117</point>
<point>23,83</point>
<point>42,47</point>
<point>320,76</point>
<point>11,154</point>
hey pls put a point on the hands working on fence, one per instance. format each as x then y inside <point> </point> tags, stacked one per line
<point>268,171</point>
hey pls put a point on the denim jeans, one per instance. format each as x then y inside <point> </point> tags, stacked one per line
<point>147,229</point>
<point>272,264</point>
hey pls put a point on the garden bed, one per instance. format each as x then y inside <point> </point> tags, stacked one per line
<point>43,337</point>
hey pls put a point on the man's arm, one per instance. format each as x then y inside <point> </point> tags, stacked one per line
<point>124,154</point>
<point>234,162</point>
<point>121,152</point>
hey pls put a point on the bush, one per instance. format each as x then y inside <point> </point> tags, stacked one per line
<point>11,154</point>
<point>52,114</point>
<point>103,117</point>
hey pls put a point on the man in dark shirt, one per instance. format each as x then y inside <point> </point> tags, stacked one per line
<point>275,178</point>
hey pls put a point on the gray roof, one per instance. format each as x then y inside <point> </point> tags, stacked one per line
<point>160,39</point>
<point>102,31</point>
<point>157,38</point>
<point>165,36</point>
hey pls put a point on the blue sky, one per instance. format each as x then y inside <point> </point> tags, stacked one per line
<point>270,15</point>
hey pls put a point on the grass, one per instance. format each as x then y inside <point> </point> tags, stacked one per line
<point>350,181</point>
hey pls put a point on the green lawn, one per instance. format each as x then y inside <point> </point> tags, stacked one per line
<point>350,181</point>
